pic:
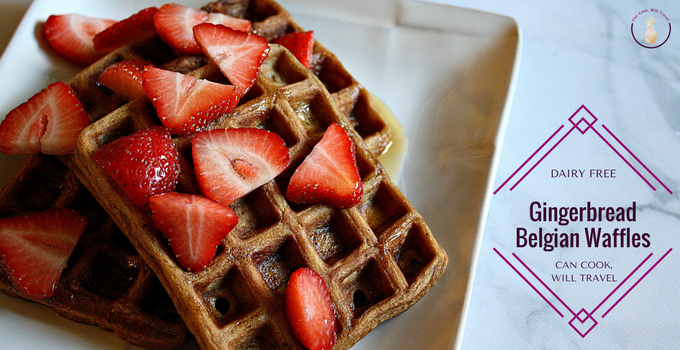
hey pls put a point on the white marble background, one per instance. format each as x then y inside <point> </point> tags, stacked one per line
<point>573,53</point>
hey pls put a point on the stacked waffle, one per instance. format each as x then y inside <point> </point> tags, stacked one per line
<point>376,258</point>
<point>106,283</point>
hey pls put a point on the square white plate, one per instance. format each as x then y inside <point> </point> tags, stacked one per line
<point>446,72</point>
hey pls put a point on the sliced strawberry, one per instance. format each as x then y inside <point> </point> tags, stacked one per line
<point>310,311</point>
<point>230,163</point>
<point>124,78</point>
<point>186,104</point>
<point>329,174</point>
<point>49,122</point>
<point>144,163</point>
<point>239,55</point>
<point>132,29</point>
<point>35,248</point>
<point>174,23</point>
<point>71,36</point>
<point>194,226</point>
<point>300,44</point>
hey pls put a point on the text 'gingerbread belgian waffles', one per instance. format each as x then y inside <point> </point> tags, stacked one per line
<point>369,249</point>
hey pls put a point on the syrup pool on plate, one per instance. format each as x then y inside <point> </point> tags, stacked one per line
<point>393,157</point>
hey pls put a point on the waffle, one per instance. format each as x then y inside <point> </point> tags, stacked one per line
<point>377,258</point>
<point>271,20</point>
<point>125,304</point>
<point>106,283</point>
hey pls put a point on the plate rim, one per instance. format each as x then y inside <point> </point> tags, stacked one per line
<point>29,20</point>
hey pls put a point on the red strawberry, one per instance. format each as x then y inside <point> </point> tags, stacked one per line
<point>49,122</point>
<point>186,104</point>
<point>239,55</point>
<point>194,226</point>
<point>310,310</point>
<point>124,78</point>
<point>174,24</point>
<point>300,44</point>
<point>134,28</point>
<point>329,174</point>
<point>36,247</point>
<point>144,163</point>
<point>71,36</point>
<point>230,163</point>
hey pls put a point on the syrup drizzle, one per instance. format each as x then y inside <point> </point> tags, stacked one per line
<point>393,157</point>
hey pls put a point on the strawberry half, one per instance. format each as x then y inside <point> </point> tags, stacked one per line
<point>124,78</point>
<point>300,44</point>
<point>71,36</point>
<point>186,104</point>
<point>239,55</point>
<point>49,122</point>
<point>329,174</point>
<point>230,163</point>
<point>310,311</point>
<point>35,248</point>
<point>194,226</point>
<point>174,23</point>
<point>132,29</point>
<point>144,163</point>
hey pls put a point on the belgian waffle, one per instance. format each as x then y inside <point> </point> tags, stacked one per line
<point>271,20</point>
<point>106,283</point>
<point>377,258</point>
<point>132,303</point>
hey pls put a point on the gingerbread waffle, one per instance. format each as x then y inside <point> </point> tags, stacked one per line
<point>271,20</point>
<point>106,283</point>
<point>119,308</point>
<point>377,258</point>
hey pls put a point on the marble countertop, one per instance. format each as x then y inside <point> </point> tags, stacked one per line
<point>577,296</point>
<point>577,59</point>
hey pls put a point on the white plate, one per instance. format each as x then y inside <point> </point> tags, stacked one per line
<point>446,72</point>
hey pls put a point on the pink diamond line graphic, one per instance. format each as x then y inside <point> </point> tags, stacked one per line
<point>583,321</point>
<point>583,120</point>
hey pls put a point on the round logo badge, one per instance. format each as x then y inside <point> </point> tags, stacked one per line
<point>650,28</point>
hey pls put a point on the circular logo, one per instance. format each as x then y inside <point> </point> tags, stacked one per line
<point>650,28</point>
